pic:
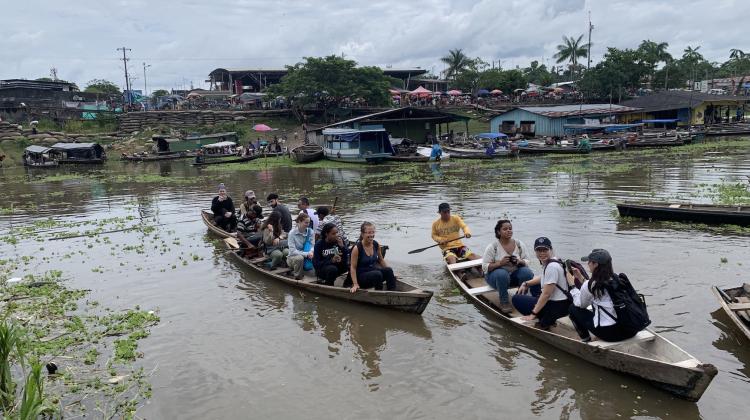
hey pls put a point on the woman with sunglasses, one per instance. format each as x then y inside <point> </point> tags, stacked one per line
<point>554,302</point>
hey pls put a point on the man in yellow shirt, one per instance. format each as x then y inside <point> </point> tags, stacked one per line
<point>446,230</point>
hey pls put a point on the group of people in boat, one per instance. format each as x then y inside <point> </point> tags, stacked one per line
<point>310,241</point>
<point>544,297</point>
<point>314,240</point>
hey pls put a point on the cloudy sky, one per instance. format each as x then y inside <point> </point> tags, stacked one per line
<point>183,40</point>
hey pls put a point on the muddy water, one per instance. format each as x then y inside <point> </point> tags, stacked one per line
<point>234,345</point>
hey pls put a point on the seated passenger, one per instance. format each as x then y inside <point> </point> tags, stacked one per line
<point>553,302</point>
<point>249,201</point>
<point>249,225</point>
<point>603,320</point>
<point>446,231</point>
<point>274,239</point>
<point>300,246</point>
<point>368,269</point>
<point>223,209</point>
<point>506,264</point>
<point>330,255</point>
<point>325,217</point>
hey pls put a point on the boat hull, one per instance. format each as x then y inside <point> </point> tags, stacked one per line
<point>744,291</point>
<point>701,214</point>
<point>686,378</point>
<point>307,153</point>
<point>406,297</point>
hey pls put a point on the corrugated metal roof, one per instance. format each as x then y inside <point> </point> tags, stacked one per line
<point>37,149</point>
<point>72,146</point>
<point>676,99</point>
<point>220,144</point>
<point>581,109</point>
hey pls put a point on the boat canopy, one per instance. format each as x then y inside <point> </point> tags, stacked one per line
<point>220,144</point>
<point>349,134</point>
<point>609,128</point>
<point>75,146</point>
<point>491,135</point>
<point>37,149</point>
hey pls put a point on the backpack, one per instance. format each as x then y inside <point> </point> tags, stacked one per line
<point>565,268</point>
<point>630,306</point>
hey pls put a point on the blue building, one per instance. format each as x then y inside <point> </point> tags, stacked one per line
<point>551,120</point>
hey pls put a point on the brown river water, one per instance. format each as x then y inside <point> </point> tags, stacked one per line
<point>232,344</point>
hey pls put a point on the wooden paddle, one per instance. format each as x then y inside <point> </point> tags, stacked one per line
<point>416,251</point>
<point>333,208</point>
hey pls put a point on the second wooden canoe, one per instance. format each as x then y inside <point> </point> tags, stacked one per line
<point>648,355</point>
<point>405,298</point>
<point>702,213</point>
<point>307,153</point>
<point>736,303</point>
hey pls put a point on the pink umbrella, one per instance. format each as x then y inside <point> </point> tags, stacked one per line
<point>496,92</point>
<point>454,92</point>
<point>421,92</point>
<point>262,127</point>
<point>394,92</point>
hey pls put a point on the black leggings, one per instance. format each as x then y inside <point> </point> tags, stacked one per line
<point>328,273</point>
<point>374,279</point>
<point>583,319</point>
<point>227,223</point>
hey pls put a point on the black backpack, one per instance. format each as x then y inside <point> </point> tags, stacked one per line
<point>630,306</point>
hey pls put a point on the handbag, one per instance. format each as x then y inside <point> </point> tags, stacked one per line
<point>308,265</point>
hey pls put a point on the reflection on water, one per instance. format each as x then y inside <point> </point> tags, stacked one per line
<point>232,342</point>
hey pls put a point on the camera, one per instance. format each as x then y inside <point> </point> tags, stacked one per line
<point>513,259</point>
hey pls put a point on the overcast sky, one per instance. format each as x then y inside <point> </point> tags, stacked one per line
<point>183,40</point>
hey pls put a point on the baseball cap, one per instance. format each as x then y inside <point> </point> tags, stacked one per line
<point>443,207</point>
<point>598,255</point>
<point>543,242</point>
<point>249,194</point>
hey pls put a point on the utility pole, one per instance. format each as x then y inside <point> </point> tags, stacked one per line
<point>145,86</point>
<point>591,28</point>
<point>127,80</point>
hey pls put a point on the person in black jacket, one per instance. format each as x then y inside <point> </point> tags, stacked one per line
<point>223,209</point>
<point>330,256</point>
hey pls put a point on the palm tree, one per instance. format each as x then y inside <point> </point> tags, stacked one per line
<point>736,54</point>
<point>457,61</point>
<point>692,54</point>
<point>738,58</point>
<point>570,50</point>
<point>653,54</point>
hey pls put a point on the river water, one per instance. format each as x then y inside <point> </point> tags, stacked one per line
<point>231,344</point>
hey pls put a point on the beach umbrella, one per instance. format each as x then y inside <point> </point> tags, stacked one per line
<point>483,92</point>
<point>262,127</point>
<point>454,92</point>
<point>421,92</point>
<point>496,92</point>
<point>394,92</point>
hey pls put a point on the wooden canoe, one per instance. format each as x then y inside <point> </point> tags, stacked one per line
<point>559,150</point>
<point>466,153</point>
<point>647,355</point>
<point>702,213</point>
<point>307,153</point>
<point>219,161</point>
<point>414,157</point>
<point>208,219</point>
<point>157,157</point>
<point>736,303</point>
<point>405,298</point>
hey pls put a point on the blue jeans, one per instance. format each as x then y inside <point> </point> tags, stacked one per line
<point>500,279</point>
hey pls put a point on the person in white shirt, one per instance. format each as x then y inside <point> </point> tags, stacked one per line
<point>506,264</point>
<point>304,207</point>
<point>553,303</point>
<point>602,321</point>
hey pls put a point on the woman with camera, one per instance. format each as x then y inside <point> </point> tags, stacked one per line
<point>505,264</point>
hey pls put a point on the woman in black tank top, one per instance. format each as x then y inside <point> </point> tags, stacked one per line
<point>368,268</point>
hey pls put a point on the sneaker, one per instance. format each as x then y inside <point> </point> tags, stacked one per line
<point>586,340</point>
<point>299,276</point>
<point>506,308</point>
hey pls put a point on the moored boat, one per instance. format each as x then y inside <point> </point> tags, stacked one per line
<point>647,355</point>
<point>405,298</point>
<point>80,153</point>
<point>307,153</point>
<point>40,157</point>
<point>357,146</point>
<point>557,150</point>
<point>226,159</point>
<point>702,213</point>
<point>736,303</point>
<point>156,157</point>
<point>427,152</point>
<point>470,153</point>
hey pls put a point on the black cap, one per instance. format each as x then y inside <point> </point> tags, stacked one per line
<point>543,242</point>
<point>599,256</point>
<point>272,196</point>
<point>443,207</point>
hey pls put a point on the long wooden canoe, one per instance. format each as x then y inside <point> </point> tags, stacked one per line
<point>647,355</point>
<point>736,303</point>
<point>208,219</point>
<point>703,213</point>
<point>220,161</point>
<point>405,298</point>
<point>157,157</point>
<point>558,150</point>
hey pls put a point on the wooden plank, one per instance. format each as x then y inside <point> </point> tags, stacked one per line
<point>480,290</point>
<point>644,335</point>
<point>464,264</point>
<point>739,306</point>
